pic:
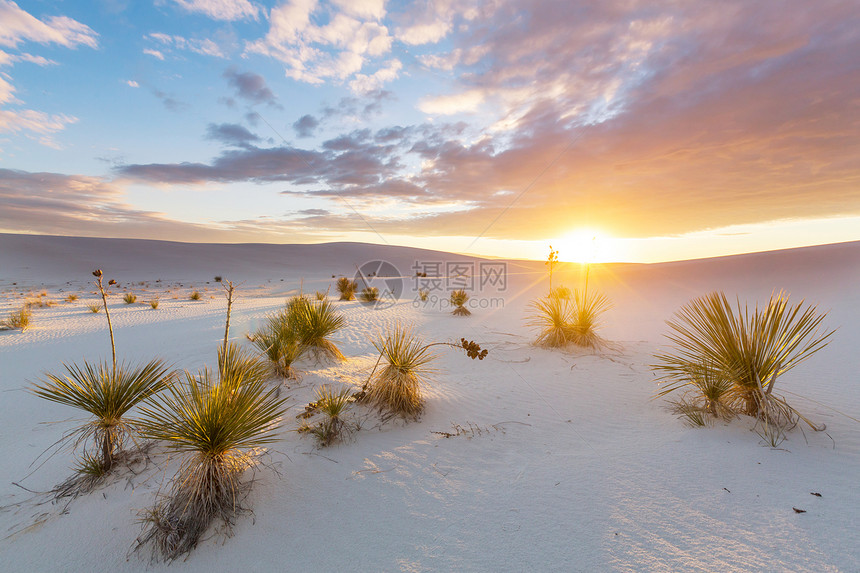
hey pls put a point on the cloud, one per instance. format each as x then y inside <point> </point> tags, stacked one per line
<point>468,101</point>
<point>251,87</point>
<point>132,83</point>
<point>229,10</point>
<point>205,47</point>
<point>19,26</point>
<point>431,21</point>
<point>364,84</point>
<point>231,134</point>
<point>170,102</point>
<point>154,53</point>
<point>305,125</point>
<point>338,50</point>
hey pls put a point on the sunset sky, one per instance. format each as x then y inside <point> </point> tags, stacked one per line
<point>666,130</point>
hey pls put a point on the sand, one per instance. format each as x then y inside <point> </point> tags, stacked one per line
<point>563,460</point>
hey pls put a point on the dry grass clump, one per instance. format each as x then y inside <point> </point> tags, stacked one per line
<point>215,425</point>
<point>94,308</point>
<point>332,405</point>
<point>129,298</point>
<point>18,319</point>
<point>321,295</point>
<point>730,357</point>
<point>107,393</point>
<point>458,299</point>
<point>369,294</point>
<point>71,297</point>
<point>560,321</point>
<point>153,303</point>
<point>195,295</point>
<point>346,288</point>
<point>397,386</point>
<point>423,294</point>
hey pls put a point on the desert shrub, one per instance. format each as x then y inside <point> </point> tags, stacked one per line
<point>369,294</point>
<point>72,297</point>
<point>406,365</point>
<point>107,393</point>
<point>215,424</point>
<point>18,319</point>
<point>218,278</point>
<point>585,318</point>
<point>560,322</point>
<point>346,288</point>
<point>94,307</point>
<point>195,295</point>
<point>458,299</point>
<point>153,303</point>
<point>422,294</point>
<point>279,342</point>
<point>314,322</point>
<point>551,317</point>
<point>129,298</point>
<point>332,406</point>
<point>730,357</point>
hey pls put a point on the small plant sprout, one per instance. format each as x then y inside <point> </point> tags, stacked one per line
<point>94,307</point>
<point>217,425</point>
<point>369,294</point>
<point>18,319</point>
<point>153,302</point>
<point>71,297</point>
<point>346,288</point>
<point>332,405</point>
<point>397,387</point>
<point>422,294</point>
<point>195,295</point>
<point>729,357</point>
<point>129,298</point>
<point>458,299</point>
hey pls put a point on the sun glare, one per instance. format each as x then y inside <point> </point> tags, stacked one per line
<point>584,246</point>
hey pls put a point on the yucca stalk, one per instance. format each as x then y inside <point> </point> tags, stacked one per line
<point>107,393</point>
<point>314,322</point>
<point>213,424</point>
<point>751,349</point>
<point>98,274</point>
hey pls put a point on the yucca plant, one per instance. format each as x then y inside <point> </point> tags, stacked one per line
<point>195,295</point>
<point>94,308</point>
<point>748,349</point>
<point>560,291</point>
<point>214,424</point>
<point>369,294</point>
<point>397,386</point>
<point>332,405</point>
<point>18,319</point>
<point>314,323</point>
<point>551,316</point>
<point>458,299</point>
<point>279,342</point>
<point>107,393</point>
<point>72,297</point>
<point>423,294</point>
<point>585,318</point>
<point>129,298</point>
<point>346,288</point>
<point>153,303</point>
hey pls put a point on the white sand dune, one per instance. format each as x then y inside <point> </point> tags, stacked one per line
<point>568,464</point>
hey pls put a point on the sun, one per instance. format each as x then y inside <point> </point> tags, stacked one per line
<point>584,246</point>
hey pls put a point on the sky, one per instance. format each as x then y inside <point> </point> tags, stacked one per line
<point>616,131</point>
